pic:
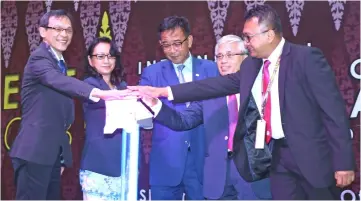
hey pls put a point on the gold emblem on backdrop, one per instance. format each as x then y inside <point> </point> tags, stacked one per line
<point>105,28</point>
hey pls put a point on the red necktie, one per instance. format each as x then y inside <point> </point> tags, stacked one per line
<point>233,118</point>
<point>267,109</point>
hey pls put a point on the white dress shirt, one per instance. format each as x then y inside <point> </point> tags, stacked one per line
<point>187,70</point>
<point>276,122</point>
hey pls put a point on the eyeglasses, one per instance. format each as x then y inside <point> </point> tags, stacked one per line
<point>176,45</point>
<point>246,38</point>
<point>102,57</point>
<point>58,30</point>
<point>228,55</point>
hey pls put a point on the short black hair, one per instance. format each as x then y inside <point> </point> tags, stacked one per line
<point>173,22</point>
<point>117,75</point>
<point>266,15</point>
<point>44,20</point>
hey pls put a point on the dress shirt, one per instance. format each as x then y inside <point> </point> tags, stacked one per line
<point>187,70</point>
<point>276,122</point>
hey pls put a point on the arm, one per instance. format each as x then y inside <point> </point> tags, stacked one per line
<point>207,88</point>
<point>180,121</point>
<point>324,88</point>
<point>42,68</point>
<point>90,104</point>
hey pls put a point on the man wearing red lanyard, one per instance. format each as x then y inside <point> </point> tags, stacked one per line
<point>310,155</point>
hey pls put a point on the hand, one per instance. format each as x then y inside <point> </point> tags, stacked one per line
<point>344,178</point>
<point>61,170</point>
<point>149,91</point>
<point>116,94</point>
<point>150,101</point>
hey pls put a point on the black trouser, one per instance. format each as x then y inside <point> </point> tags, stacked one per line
<point>287,181</point>
<point>37,182</point>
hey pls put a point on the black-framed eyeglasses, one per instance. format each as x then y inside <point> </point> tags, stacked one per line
<point>176,45</point>
<point>228,55</point>
<point>102,56</point>
<point>247,38</point>
<point>59,30</point>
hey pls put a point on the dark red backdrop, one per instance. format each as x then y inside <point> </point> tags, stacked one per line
<point>316,26</point>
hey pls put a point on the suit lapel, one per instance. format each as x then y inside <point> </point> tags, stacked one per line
<point>247,84</point>
<point>197,70</point>
<point>169,74</point>
<point>102,84</point>
<point>171,78</point>
<point>284,65</point>
<point>46,48</point>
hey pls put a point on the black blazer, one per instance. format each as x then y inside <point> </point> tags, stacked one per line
<point>101,153</point>
<point>47,110</point>
<point>313,112</point>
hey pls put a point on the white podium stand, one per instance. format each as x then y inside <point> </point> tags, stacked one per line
<point>129,166</point>
<point>128,115</point>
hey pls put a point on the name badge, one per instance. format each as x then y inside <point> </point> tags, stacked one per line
<point>260,134</point>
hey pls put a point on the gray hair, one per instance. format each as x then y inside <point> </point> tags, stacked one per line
<point>231,39</point>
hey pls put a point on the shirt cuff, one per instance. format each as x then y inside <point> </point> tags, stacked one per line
<point>156,108</point>
<point>170,94</point>
<point>94,99</point>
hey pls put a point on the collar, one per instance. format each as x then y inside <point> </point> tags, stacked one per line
<point>276,52</point>
<point>54,52</point>
<point>56,55</point>
<point>187,63</point>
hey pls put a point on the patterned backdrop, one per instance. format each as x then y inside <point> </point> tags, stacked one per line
<point>333,26</point>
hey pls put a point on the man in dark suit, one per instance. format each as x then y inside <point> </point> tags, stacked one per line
<point>221,178</point>
<point>177,157</point>
<point>304,116</point>
<point>47,110</point>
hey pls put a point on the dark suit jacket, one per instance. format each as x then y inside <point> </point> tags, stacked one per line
<point>47,110</point>
<point>213,114</point>
<point>169,147</point>
<point>313,113</point>
<point>101,153</point>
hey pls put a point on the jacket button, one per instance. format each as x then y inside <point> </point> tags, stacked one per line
<point>226,138</point>
<point>206,155</point>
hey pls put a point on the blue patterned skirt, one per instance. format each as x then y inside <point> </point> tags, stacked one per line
<point>99,187</point>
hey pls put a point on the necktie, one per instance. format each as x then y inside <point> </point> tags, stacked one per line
<point>181,77</point>
<point>180,73</point>
<point>233,119</point>
<point>62,66</point>
<point>267,109</point>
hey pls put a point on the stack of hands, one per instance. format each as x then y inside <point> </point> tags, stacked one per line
<point>150,96</point>
<point>147,93</point>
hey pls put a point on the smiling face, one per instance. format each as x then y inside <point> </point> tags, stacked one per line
<point>58,34</point>
<point>229,57</point>
<point>101,60</point>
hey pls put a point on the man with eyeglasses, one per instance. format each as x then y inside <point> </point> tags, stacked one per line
<point>219,116</point>
<point>42,147</point>
<point>177,157</point>
<point>293,125</point>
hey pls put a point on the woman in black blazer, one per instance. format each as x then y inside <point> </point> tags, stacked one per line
<point>101,158</point>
